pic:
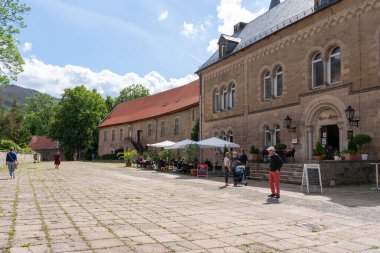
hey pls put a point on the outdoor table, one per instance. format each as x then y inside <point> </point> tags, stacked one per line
<point>377,177</point>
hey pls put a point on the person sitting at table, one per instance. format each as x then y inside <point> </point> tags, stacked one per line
<point>208,163</point>
<point>265,154</point>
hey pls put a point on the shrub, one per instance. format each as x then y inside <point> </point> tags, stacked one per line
<point>6,144</point>
<point>352,148</point>
<point>319,149</point>
<point>361,140</point>
<point>280,146</point>
<point>254,150</point>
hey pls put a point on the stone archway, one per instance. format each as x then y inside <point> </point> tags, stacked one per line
<point>323,111</point>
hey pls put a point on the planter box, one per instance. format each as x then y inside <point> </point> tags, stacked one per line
<point>193,172</point>
<point>352,157</point>
<point>319,158</point>
<point>149,167</point>
<point>165,169</point>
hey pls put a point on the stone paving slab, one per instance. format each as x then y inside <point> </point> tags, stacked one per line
<point>105,207</point>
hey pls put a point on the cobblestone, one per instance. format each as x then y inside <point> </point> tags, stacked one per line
<point>104,207</point>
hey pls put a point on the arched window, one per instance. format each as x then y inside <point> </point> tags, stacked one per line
<point>230,135</point>
<point>267,86</point>
<point>334,66</point>
<point>267,137</point>
<point>317,70</point>
<point>216,101</point>
<point>223,135</point>
<point>277,135</point>
<point>225,99</point>
<point>216,134</point>
<point>278,82</point>
<point>232,96</point>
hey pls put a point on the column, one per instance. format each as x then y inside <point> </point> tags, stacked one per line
<point>340,126</point>
<point>309,131</point>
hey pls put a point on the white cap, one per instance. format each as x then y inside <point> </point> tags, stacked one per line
<point>271,148</point>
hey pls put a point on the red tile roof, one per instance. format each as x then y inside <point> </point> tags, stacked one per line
<point>43,142</point>
<point>162,103</point>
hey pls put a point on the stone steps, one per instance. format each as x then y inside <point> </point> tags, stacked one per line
<point>290,173</point>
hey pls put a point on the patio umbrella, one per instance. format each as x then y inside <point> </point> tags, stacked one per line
<point>181,144</point>
<point>215,142</point>
<point>162,144</point>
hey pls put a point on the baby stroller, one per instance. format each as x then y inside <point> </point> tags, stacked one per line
<point>239,175</point>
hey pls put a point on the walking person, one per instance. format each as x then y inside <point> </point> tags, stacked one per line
<point>11,161</point>
<point>227,167</point>
<point>275,164</point>
<point>57,160</point>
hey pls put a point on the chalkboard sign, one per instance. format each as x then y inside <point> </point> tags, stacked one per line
<point>311,176</point>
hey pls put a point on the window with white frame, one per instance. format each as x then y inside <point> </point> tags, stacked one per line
<point>113,135</point>
<point>176,126</point>
<point>267,86</point>
<point>225,99</point>
<point>277,135</point>
<point>278,82</point>
<point>162,128</point>
<point>334,66</point>
<point>216,101</point>
<point>121,134</point>
<point>267,137</point>
<point>150,129</point>
<point>317,70</point>
<point>232,96</point>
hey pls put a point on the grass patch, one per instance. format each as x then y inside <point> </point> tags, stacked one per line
<point>25,245</point>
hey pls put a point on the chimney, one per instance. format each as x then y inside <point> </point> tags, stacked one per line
<point>274,3</point>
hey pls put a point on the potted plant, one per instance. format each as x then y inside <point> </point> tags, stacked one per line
<point>254,153</point>
<point>127,155</point>
<point>280,147</point>
<point>336,155</point>
<point>351,153</point>
<point>167,156</point>
<point>319,153</point>
<point>191,154</point>
<point>361,140</point>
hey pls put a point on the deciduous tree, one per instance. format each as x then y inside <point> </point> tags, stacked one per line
<point>132,92</point>
<point>75,120</point>
<point>11,21</point>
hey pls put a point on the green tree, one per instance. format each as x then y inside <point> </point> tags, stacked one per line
<point>110,103</point>
<point>39,113</point>
<point>15,126</point>
<point>195,132</point>
<point>2,118</point>
<point>132,92</point>
<point>76,118</point>
<point>11,21</point>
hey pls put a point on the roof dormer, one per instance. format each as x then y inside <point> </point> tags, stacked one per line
<point>227,44</point>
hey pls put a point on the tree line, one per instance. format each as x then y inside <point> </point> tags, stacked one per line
<point>72,119</point>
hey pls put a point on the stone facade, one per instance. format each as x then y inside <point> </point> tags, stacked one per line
<point>187,118</point>
<point>353,26</point>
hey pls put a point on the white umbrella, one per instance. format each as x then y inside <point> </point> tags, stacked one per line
<point>181,144</point>
<point>215,142</point>
<point>162,144</point>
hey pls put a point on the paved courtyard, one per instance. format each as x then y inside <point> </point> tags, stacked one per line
<point>103,207</point>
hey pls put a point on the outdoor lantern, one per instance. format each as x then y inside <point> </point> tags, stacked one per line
<point>350,113</point>
<point>288,123</point>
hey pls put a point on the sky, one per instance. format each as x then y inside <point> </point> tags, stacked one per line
<point>111,44</point>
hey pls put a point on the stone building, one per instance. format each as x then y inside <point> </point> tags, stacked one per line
<point>307,61</point>
<point>169,115</point>
<point>45,146</point>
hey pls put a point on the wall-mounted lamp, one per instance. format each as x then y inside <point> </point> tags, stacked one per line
<point>288,124</point>
<point>350,113</point>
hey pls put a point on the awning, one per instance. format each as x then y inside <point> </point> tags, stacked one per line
<point>215,142</point>
<point>162,144</point>
<point>181,144</point>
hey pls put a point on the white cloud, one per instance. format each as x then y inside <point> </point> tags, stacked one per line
<point>54,79</point>
<point>189,30</point>
<point>163,16</point>
<point>212,46</point>
<point>230,12</point>
<point>27,47</point>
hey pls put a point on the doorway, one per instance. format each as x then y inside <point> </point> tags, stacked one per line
<point>138,135</point>
<point>330,139</point>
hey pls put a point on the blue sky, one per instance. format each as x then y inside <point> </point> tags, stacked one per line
<point>110,44</point>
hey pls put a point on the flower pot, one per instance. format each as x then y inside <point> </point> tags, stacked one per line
<point>319,157</point>
<point>364,157</point>
<point>193,172</point>
<point>165,169</point>
<point>149,167</point>
<point>352,157</point>
<point>256,157</point>
<point>336,157</point>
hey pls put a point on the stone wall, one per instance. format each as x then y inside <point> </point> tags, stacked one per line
<point>351,25</point>
<point>187,119</point>
<point>22,158</point>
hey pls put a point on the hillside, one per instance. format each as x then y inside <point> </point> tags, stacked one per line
<point>14,92</point>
